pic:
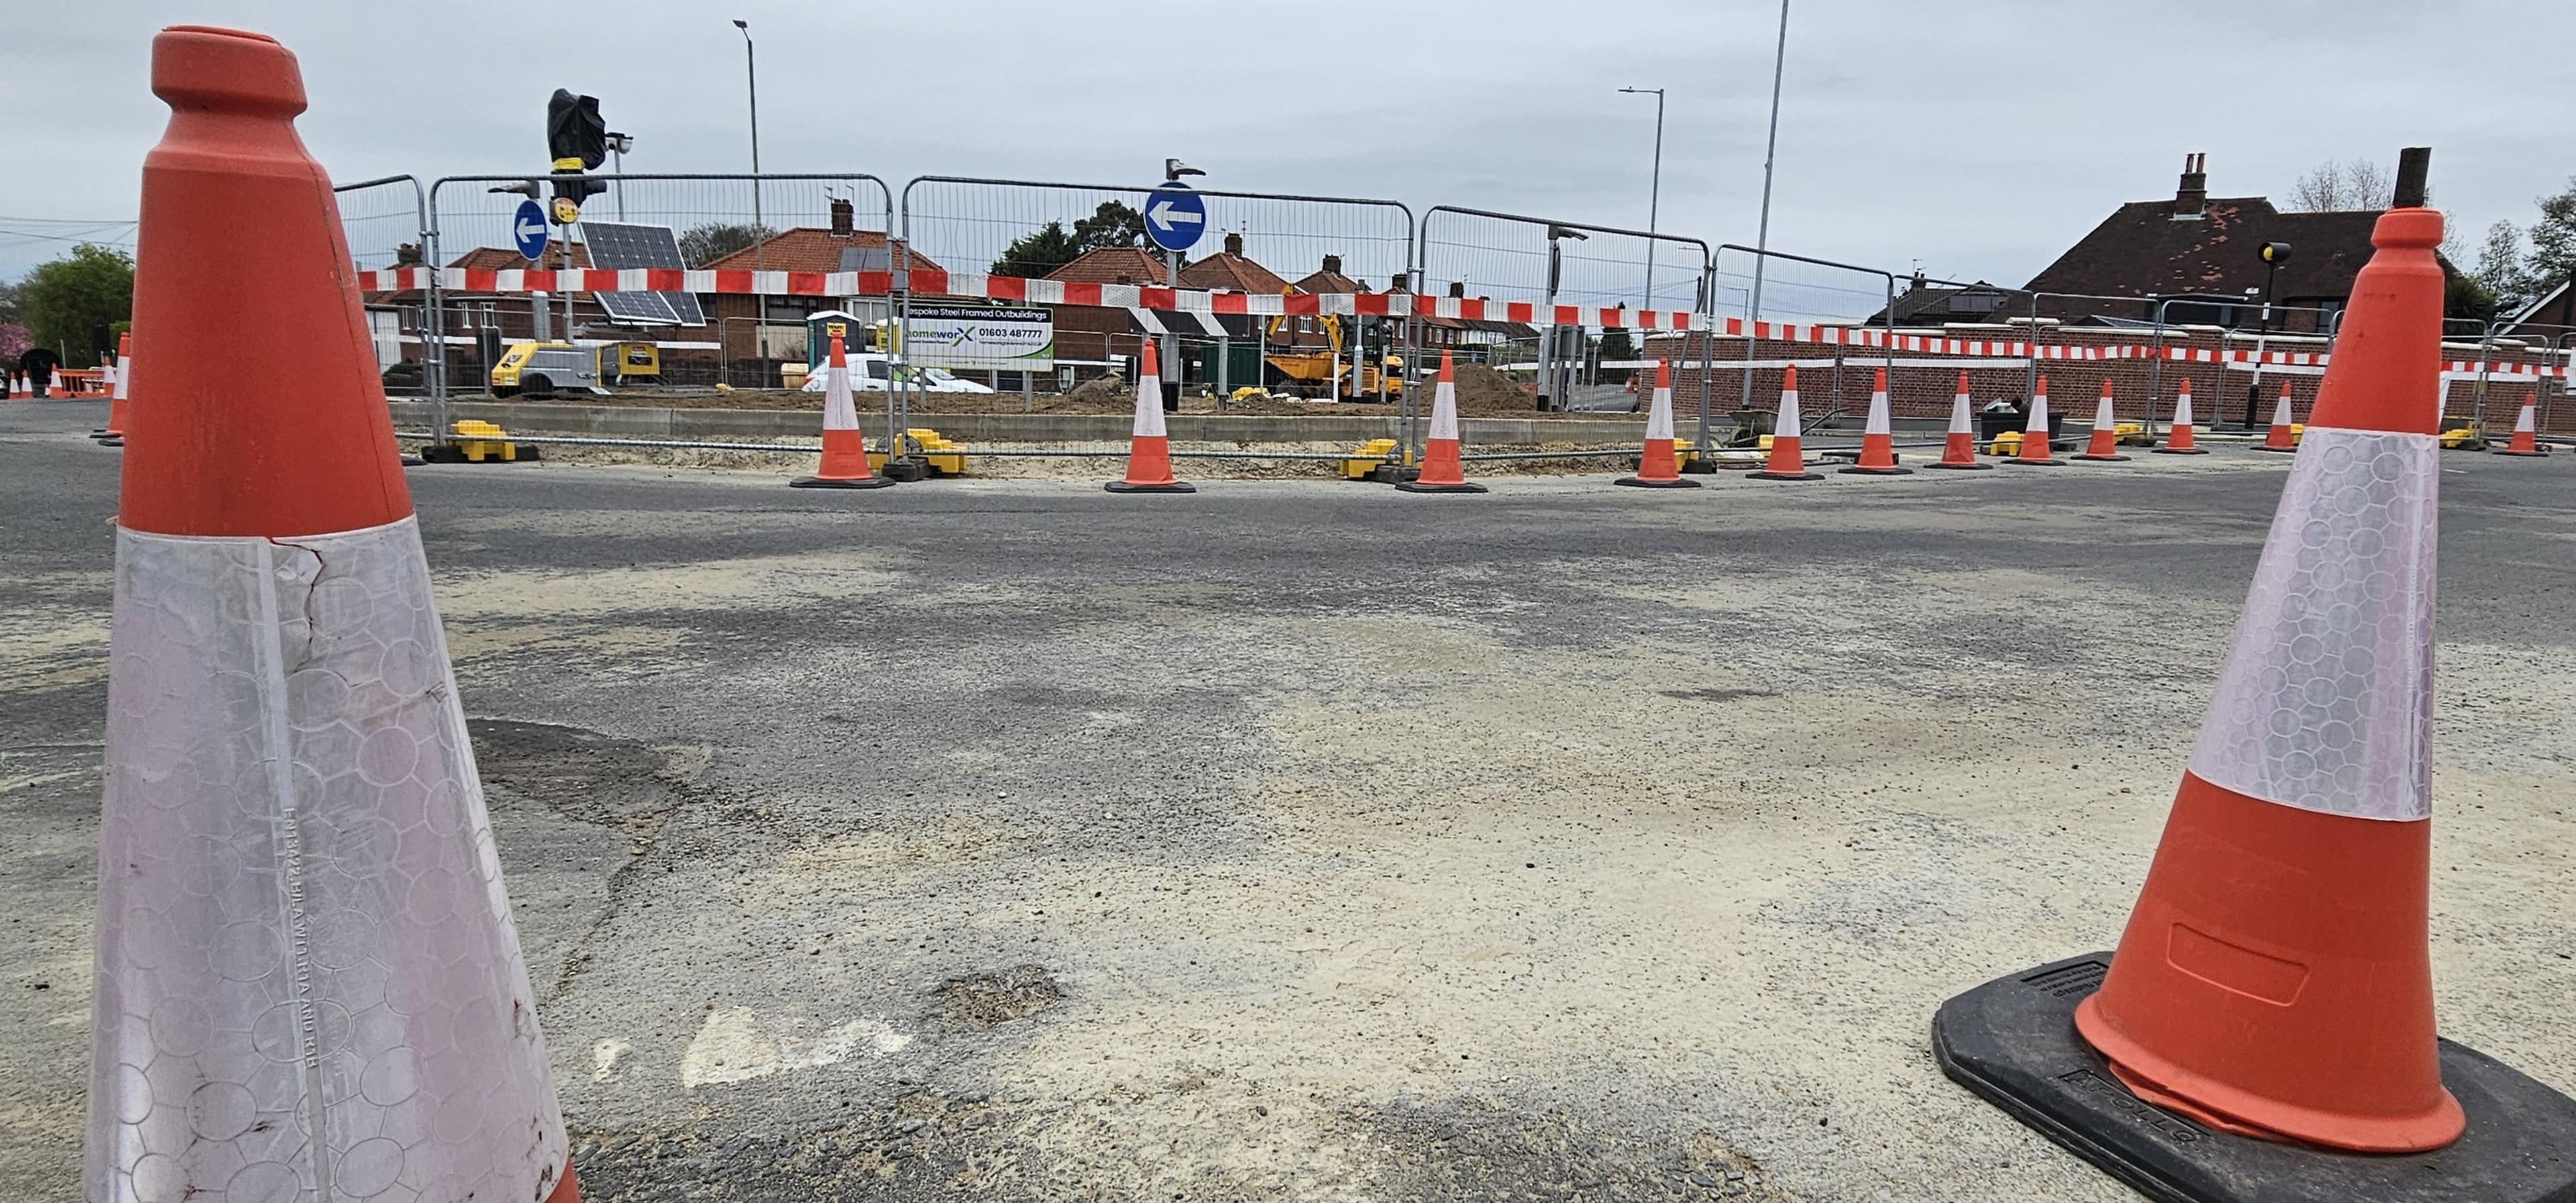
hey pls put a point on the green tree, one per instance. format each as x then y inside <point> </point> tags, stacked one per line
<point>2500,267</point>
<point>64,301</point>
<point>707,242</point>
<point>2553,242</point>
<point>2468,299</point>
<point>1032,255</point>
<point>1050,246</point>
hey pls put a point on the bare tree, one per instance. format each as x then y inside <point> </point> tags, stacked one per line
<point>2337,187</point>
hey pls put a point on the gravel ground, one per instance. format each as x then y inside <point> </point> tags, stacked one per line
<point>1007,840</point>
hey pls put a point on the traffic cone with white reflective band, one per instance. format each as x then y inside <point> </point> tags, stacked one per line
<point>121,373</point>
<point>307,981</point>
<point>2104,445</point>
<point>2178,439</point>
<point>1149,453</point>
<point>2034,435</point>
<point>845,450</point>
<point>2274,979</point>
<point>1659,467</point>
<point>1788,460</point>
<point>1441,472</point>
<point>1877,437</point>
<point>2281,437</point>
<point>1959,450</point>
<point>2272,997</point>
<point>2526,430</point>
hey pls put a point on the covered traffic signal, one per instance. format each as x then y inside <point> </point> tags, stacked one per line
<point>578,140</point>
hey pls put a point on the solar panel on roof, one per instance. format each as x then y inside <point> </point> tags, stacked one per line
<point>619,246</point>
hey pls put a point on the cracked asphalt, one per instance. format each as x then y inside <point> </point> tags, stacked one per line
<point>1008,840</point>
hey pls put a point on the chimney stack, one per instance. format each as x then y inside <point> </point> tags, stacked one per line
<point>2191,198</point>
<point>1234,245</point>
<point>1458,288</point>
<point>843,224</point>
<point>1333,264</point>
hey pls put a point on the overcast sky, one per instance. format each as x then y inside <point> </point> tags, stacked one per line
<point>1978,138</point>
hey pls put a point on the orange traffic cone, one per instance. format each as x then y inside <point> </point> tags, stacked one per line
<point>1659,467</point>
<point>306,970</point>
<point>1788,461</point>
<point>2178,439</point>
<point>2274,980</point>
<point>2034,436</point>
<point>2526,430</point>
<point>845,450</point>
<point>2104,446</point>
<point>122,372</point>
<point>1877,440</point>
<point>1440,466</point>
<point>1149,454</point>
<point>2281,438</point>
<point>1959,450</point>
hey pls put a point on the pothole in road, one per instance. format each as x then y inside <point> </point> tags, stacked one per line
<point>982,1000</point>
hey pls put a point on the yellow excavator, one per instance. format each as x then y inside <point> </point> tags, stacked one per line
<point>1309,373</point>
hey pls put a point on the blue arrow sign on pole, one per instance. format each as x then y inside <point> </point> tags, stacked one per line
<point>528,230</point>
<point>1175,217</point>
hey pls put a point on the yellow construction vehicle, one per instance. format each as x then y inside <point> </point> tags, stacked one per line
<point>1309,373</point>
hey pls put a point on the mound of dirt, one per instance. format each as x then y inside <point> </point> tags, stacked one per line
<point>1484,392</point>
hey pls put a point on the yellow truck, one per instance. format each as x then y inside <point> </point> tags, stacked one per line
<point>544,369</point>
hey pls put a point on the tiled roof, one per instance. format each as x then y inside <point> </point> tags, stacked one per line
<point>808,249</point>
<point>1106,264</point>
<point>2141,249</point>
<point>1234,272</point>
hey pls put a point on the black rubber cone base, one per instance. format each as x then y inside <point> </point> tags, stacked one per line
<point>1857,470</point>
<point>1972,466</point>
<point>2013,1042</point>
<point>119,441</point>
<point>2277,450</point>
<point>1415,486</point>
<point>1639,482</point>
<point>817,482</point>
<point>1767,474</point>
<point>2035,463</point>
<point>2515,454</point>
<point>2182,451</point>
<point>1178,486</point>
<point>2099,459</point>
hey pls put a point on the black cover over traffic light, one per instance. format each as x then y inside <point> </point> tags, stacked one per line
<point>578,139</point>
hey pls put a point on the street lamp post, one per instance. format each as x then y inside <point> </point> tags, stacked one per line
<point>618,145</point>
<point>1655,190</point>
<point>1762,232</point>
<point>1173,171</point>
<point>1552,390</point>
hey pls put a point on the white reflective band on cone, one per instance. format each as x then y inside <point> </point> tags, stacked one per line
<point>2182,410</point>
<point>1659,415</point>
<point>2038,415</point>
<point>2525,423</point>
<point>1788,423</point>
<point>308,984</point>
<point>1959,414</point>
<point>1149,407</point>
<point>1877,421</point>
<point>840,411</point>
<point>2326,699</point>
<point>1444,411</point>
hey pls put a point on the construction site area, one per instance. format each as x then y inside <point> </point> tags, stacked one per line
<point>834,686</point>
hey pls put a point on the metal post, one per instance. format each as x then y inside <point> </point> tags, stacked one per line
<point>1655,190</point>
<point>1762,232</point>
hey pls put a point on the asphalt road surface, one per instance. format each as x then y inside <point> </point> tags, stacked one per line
<point>1306,840</point>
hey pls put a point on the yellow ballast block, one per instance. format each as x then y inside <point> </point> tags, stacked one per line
<point>480,441</point>
<point>1381,450</point>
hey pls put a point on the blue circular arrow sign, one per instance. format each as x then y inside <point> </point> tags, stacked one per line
<point>1175,217</point>
<point>528,230</point>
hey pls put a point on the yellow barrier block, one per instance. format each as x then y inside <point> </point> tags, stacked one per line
<point>2132,434</point>
<point>2007,443</point>
<point>481,441</point>
<point>1359,469</point>
<point>2455,439</point>
<point>944,456</point>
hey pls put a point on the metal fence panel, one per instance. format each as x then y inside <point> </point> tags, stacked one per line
<point>386,224</point>
<point>1260,244</point>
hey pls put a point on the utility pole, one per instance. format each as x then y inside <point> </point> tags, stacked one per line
<point>1762,232</point>
<point>1655,191</point>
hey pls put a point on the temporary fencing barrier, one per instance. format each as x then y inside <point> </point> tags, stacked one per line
<point>386,223</point>
<point>714,269</point>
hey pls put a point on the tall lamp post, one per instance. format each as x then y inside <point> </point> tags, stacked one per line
<point>1762,232</point>
<point>618,145</point>
<point>759,244</point>
<point>1655,190</point>
<point>2274,254</point>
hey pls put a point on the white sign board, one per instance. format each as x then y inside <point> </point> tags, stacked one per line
<point>965,336</point>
